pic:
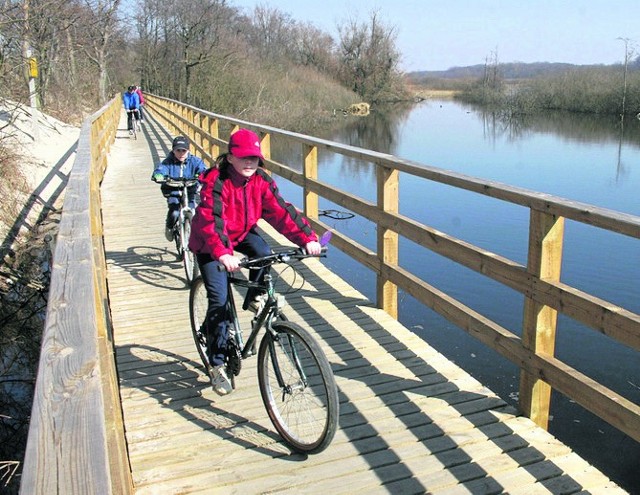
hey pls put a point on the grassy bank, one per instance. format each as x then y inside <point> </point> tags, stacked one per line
<point>599,91</point>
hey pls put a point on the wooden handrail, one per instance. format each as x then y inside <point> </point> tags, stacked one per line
<point>539,281</point>
<point>76,438</point>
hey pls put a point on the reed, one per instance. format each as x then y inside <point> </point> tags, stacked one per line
<point>584,90</point>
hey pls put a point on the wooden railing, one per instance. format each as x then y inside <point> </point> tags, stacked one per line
<point>76,438</point>
<point>539,281</point>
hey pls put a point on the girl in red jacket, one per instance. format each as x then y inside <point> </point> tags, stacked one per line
<point>234,196</point>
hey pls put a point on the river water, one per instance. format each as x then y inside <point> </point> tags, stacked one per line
<point>591,159</point>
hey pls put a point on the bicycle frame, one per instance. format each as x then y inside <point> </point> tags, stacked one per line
<point>273,305</point>
<point>295,379</point>
<point>184,219</point>
<point>185,212</point>
<point>264,318</point>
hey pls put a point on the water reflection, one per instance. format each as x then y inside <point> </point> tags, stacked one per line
<point>379,131</point>
<point>581,128</point>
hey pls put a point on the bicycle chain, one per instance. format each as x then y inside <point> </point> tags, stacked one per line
<point>234,358</point>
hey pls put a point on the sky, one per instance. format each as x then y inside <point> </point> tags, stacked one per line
<point>437,35</point>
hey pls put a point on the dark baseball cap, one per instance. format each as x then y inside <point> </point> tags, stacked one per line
<point>180,143</point>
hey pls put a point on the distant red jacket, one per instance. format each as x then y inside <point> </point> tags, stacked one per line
<point>139,91</point>
<point>231,205</point>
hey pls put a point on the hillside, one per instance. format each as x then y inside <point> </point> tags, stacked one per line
<point>33,167</point>
<point>513,70</point>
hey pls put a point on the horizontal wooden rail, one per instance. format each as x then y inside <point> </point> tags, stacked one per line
<point>545,295</point>
<point>76,438</point>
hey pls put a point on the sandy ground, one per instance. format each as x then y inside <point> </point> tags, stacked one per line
<point>47,150</point>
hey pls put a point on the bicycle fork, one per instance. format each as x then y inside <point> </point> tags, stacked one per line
<point>289,352</point>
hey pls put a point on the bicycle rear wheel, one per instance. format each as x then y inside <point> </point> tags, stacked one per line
<point>298,388</point>
<point>188,258</point>
<point>198,313</point>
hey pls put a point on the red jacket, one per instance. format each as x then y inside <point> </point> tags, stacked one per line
<point>231,205</point>
<point>139,92</point>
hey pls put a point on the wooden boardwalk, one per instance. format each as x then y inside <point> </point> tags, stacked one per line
<point>411,421</point>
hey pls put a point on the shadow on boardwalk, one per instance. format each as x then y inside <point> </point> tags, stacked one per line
<point>411,421</point>
<point>406,424</point>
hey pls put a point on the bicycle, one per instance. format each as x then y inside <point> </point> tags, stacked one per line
<point>133,115</point>
<point>182,228</point>
<point>296,383</point>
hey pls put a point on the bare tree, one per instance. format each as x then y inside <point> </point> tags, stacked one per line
<point>182,36</point>
<point>271,32</point>
<point>369,58</point>
<point>101,25</point>
<point>314,48</point>
<point>12,38</point>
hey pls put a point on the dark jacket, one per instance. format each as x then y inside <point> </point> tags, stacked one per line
<point>231,205</point>
<point>171,167</point>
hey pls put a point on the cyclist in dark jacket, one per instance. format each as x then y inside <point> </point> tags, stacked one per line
<point>235,195</point>
<point>178,163</point>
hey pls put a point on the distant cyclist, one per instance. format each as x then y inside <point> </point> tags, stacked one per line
<point>138,91</point>
<point>131,102</point>
<point>178,163</point>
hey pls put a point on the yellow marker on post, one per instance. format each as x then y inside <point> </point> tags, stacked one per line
<point>33,67</point>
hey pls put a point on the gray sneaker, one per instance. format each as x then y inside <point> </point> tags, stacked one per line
<point>220,381</point>
<point>168,233</point>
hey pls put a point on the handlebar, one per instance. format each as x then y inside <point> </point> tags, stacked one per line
<point>275,258</point>
<point>177,182</point>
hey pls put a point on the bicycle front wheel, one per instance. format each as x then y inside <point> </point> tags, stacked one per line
<point>198,314</point>
<point>298,388</point>
<point>188,258</point>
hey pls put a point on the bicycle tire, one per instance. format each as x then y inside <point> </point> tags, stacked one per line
<point>188,258</point>
<point>197,314</point>
<point>305,415</point>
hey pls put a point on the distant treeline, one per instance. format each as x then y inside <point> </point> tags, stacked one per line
<point>528,88</point>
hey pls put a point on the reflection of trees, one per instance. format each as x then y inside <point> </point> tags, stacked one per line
<point>378,132</point>
<point>581,128</point>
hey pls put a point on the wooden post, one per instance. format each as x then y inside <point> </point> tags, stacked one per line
<point>265,145</point>
<point>387,292</point>
<point>189,130</point>
<point>206,142</point>
<point>546,234</point>
<point>310,170</point>
<point>197,134</point>
<point>214,131</point>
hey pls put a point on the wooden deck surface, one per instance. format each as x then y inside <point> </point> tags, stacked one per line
<point>411,421</point>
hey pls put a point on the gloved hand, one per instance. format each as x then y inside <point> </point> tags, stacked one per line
<point>158,178</point>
